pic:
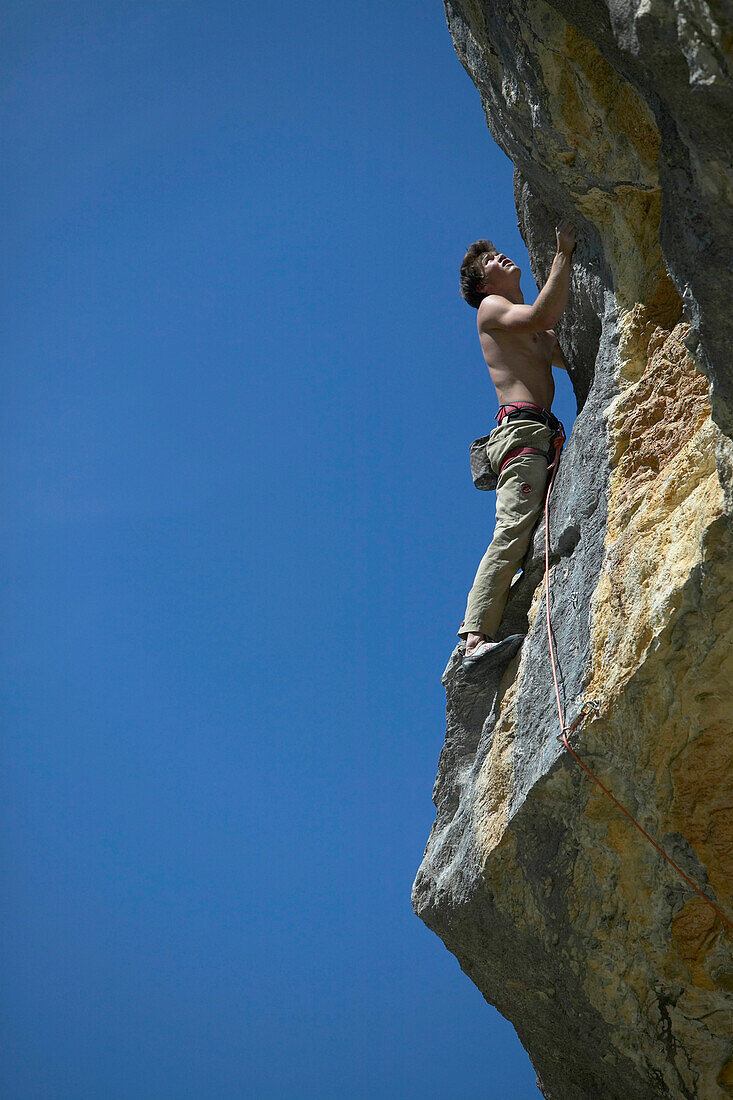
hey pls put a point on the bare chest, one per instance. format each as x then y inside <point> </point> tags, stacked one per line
<point>520,352</point>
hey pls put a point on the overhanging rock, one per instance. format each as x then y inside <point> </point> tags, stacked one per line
<point>617,977</point>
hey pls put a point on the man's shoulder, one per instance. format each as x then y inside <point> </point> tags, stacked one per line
<point>493,302</point>
<point>497,314</point>
<point>491,308</point>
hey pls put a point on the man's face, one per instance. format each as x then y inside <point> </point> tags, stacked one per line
<point>499,271</point>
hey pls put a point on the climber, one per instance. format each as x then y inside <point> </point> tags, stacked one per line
<point>520,350</point>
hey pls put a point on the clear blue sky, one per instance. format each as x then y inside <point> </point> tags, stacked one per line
<point>239,529</point>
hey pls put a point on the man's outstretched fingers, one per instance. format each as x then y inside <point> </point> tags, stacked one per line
<point>565,232</point>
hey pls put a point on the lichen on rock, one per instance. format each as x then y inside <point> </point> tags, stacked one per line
<point>616,975</point>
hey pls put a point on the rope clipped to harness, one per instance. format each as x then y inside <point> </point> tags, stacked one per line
<point>566,731</point>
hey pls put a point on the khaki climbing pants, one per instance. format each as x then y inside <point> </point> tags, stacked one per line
<point>520,497</point>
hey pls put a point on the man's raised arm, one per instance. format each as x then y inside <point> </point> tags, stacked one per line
<point>496,312</point>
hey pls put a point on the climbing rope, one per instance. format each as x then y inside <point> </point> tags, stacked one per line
<point>566,731</point>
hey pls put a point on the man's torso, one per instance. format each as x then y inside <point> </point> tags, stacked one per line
<point>520,365</point>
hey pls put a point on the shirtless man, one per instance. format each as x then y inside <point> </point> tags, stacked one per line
<point>520,350</point>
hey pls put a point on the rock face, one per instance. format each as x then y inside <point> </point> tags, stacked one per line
<point>618,978</point>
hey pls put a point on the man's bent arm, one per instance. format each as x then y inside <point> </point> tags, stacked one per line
<point>499,313</point>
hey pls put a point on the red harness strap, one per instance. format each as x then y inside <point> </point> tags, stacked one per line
<point>516,452</point>
<point>513,406</point>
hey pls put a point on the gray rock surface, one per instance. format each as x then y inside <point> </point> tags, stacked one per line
<point>616,975</point>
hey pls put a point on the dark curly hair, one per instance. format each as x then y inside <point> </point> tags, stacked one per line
<point>472,274</point>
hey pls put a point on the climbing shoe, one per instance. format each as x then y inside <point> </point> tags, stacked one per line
<point>490,654</point>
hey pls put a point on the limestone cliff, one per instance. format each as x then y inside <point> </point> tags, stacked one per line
<point>616,975</point>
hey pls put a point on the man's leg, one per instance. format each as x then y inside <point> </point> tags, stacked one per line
<point>520,496</point>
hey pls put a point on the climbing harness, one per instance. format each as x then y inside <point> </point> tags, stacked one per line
<point>483,474</point>
<point>527,410</point>
<point>566,731</point>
